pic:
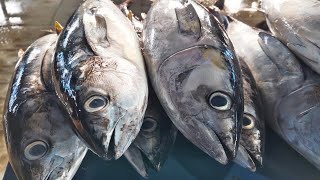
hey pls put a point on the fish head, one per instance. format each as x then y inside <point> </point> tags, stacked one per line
<point>157,134</point>
<point>298,118</point>
<point>196,73</point>
<point>200,85</point>
<point>41,143</point>
<point>99,75</point>
<point>252,140</point>
<point>109,101</point>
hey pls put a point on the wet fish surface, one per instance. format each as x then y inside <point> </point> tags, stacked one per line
<point>155,140</point>
<point>296,23</point>
<point>196,75</point>
<point>40,141</point>
<point>290,91</point>
<point>251,148</point>
<point>100,77</point>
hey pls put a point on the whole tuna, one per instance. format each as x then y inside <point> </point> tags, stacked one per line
<point>296,23</point>
<point>155,140</point>
<point>100,77</point>
<point>195,74</point>
<point>251,148</point>
<point>289,91</point>
<point>40,141</point>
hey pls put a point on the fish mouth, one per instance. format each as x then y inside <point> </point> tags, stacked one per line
<point>111,142</point>
<point>203,72</point>
<point>50,174</point>
<point>140,162</point>
<point>247,160</point>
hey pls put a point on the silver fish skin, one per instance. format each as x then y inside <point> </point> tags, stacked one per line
<point>296,23</point>
<point>39,137</point>
<point>156,138</point>
<point>100,77</point>
<point>196,75</point>
<point>290,91</point>
<point>251,148</point>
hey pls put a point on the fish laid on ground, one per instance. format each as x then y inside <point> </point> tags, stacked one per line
<point>100,77</point>
<point>296,23</point>
<point>155,139</point>
<point>251,147</point>
<point>196,75</point>
<point>290,92</point>
<point>40,141</point>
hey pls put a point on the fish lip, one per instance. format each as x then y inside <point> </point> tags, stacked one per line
<point>257,162</point>
<point>221,155</point>
<point>47,177</point>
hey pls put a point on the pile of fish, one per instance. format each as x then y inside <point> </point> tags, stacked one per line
<point>97,85</point>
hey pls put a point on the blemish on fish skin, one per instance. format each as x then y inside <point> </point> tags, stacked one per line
<point>214,57</point>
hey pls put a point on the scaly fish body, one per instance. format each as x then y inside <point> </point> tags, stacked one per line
<point>251,148</point>
<point>195,74</point>
<point>296,23</point>
<point>155,140</point>
<point>40,141</point>
<point>100,77</point>
<point>289,91</point>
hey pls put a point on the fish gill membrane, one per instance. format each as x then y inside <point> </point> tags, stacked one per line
<point>39,137</point>
<point>290,92</point>
<point>99,75</point>
<point>156,138</point>
<point>296,23</point>
<point>196,75</point>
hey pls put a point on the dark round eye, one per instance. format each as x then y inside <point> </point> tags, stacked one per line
<point>149,124</point>
<point>35,150</point>
<point>95,103</point>
<point>247,122</point>
<point>220,101</point>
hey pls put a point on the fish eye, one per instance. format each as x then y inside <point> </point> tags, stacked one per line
<point>247,122</point>
<point>220,101</point>
<point>35,150</point>
<point>149,124</point>
<point>95,103</point>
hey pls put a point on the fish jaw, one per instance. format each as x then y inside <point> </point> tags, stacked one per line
<point>135,158</point>
<point>194,28</point>
<point>244,159</point>
<point>156,145</point>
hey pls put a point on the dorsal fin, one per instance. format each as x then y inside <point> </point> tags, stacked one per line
<point>188,21</point>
